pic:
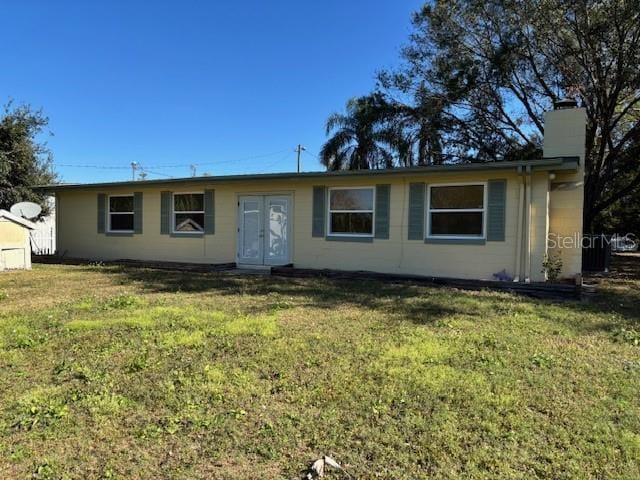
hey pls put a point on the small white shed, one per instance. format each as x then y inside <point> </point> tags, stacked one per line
<point>15,248</point>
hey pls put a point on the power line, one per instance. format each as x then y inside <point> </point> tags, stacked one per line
<point>152,169</point>
<point>182,165</point>
<point>157,173</point>
<point>101,167</point>
<point>266,167</point>
<point>220,162</point>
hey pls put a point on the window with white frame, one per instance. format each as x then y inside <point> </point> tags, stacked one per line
<point>121,213</point>
<point>188,212</point>
<point>456,211</point>
<point>351,211</point>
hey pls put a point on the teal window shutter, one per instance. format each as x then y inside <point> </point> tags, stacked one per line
<point>416,211</point>
<point>383,194</point>
<point>319,211</point>
<point>165,213</point>
<point>102,214</point>
<point>137,212</point>
<point>209,212</point>
<point>496,210</point>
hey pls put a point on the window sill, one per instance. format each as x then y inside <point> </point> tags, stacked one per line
<point>119,234</point>
<point>455,241</point>
<point>187,234</point>
<point>347,238</point>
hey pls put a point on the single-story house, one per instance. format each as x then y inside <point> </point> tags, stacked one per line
<point>15,247</point>
<point>460,220</point>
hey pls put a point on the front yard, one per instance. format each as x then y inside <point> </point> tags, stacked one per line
<point>112,372</point>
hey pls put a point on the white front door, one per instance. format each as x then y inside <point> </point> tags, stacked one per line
<point>264,230</point>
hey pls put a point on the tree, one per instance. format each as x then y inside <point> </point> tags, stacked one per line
<point>356,140</point>
<point>478,77</point>
<point>416,128</point>
<point>378,131</point>
<point>497,66</point>
<point>24,162</point>
<point>622,218</point>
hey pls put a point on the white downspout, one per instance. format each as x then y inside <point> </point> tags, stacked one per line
<point>519,239</point>
<point>527,272</point>
<point>405,201</point>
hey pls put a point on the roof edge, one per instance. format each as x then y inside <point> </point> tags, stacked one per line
<point>14,218</point>
<point>554,163</point>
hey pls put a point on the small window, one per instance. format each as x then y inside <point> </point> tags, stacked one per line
<point>121,213</point>
<point>188,213</point>
<point>456,211</point>
<point>351,211</point>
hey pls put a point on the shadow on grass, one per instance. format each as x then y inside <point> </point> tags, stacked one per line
<point>421,305</point>
<point>617,302</point>
<point>624,304</point>
<point>618,291</point>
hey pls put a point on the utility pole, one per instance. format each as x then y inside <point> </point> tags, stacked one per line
<point>193,170</point>
<point>299,149</point>
<point>134,165</point>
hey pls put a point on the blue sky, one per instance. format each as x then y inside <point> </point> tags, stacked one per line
<point>230,86</point>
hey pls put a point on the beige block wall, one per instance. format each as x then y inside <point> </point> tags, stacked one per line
<point>565,213</point>
<point>78,237</point>
<point>539,223</point>
<point>565,132</point>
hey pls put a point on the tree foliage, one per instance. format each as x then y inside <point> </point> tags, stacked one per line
<point>358,141</point>
<point>25,162</point>
<point>622,218</point>
<point>379,132</point>
<point>477,77</point>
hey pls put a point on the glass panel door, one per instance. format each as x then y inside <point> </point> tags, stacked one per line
<point>251,230</point>
<point>277,230</point>
<point>264,230</point>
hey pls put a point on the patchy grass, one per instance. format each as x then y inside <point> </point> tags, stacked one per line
<point>109,372</point>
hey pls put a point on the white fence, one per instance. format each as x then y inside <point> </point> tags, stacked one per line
<point>43,241</point>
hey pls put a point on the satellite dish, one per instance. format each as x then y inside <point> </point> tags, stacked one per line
<point>28,210</point>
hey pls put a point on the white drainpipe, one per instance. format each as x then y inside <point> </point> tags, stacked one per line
<point>519,239</point>
<point>529,183</point>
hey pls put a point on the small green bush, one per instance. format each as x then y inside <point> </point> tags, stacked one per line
<point>552,267</point>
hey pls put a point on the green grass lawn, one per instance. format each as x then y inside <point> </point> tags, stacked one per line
<point>111,372</point>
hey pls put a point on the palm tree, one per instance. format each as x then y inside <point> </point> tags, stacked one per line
<point>378,132</point>
<point>416,129</point>
<point>357,141</point>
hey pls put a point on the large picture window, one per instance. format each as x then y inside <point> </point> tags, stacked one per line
<point>188,212</point>
<point>121,213</point>
<point>351,211</point>
<point>456,211</point>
